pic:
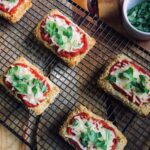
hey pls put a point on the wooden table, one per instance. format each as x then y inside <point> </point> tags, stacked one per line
<point>7,140</point>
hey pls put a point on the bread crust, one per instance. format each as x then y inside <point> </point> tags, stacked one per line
<point>72,61</point>
<point>143,110</point>
<point>20,11</point>
<point>122,139</point>
<point>54,90</point>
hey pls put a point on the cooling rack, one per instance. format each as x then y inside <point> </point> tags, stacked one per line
<point>78,85</point>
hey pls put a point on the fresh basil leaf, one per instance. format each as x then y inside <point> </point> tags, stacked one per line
<point>140,86</point>
<point>26,77</point>
<point>84,138</point>
<point>75,123</point>
<point>92,136</point>
<point>13,70</point>
<point>58,32</point>
<point>44,88</point>
<point>128,86</point>
<point>127,74</point>
<point>34,90</point>
<point>59,39</point>
<point>35,82</point>
<point>146,90</point>
<point>68,32</point>
<point>21,77</point>
<point>51,28</point>
<point>15,78</point>
<point>12,1</point>
<point>86,124</point>
<point>14,83</point>
<point>101,144</point>
<point>39,84</point>
<point>22,88</point>
<point>142,79</point>
<point>111,79</point>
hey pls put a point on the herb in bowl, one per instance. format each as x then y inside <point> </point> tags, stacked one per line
<point>139,16</point>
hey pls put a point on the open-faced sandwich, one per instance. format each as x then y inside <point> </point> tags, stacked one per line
<point>129,83</point>
<point>64,38</point>
<point>29,85</point>
<point>87,131</point>
<point>13,10</point>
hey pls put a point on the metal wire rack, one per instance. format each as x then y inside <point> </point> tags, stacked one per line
<point>78,85</point>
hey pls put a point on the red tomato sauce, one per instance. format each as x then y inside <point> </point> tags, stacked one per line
<point>13,10</point>
<point>63,53</point>
<point>37,76</point>
<point>116,87</point>
<point>85,116</point>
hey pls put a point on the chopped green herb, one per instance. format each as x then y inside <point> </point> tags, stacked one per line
<point>68,32</point>
<point>51,28</point>
<point>101,144</point>
<point>84,139</point>
<point>35,82</point>
<point>142,79</point>
<point>21,82</point>
<point>59,39</point>
<point>75,123</point>
<point>139,16</point>
<point>21,87</point>
<point>90,136</point>
<point>111,78</point>
<point>39,84</point>
<point>140,86</point>
<point>94,136</point>
<point>58,32</point>
<point>13,70</point>
<point>43,87</point>
<point>34,90</point>
<point>127,74</point>
<point>86,124</point>
<point>12,1</point>
<point>128,86</point>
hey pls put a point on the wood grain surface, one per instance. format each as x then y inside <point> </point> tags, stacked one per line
<point>108,9</point>
<point>9,142</point>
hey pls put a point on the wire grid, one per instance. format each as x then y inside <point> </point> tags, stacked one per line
<point>78,85</point>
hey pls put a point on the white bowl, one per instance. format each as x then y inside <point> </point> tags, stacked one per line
<point>128,4</point>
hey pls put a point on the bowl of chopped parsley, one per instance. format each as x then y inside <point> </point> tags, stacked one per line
<point>136,18</point>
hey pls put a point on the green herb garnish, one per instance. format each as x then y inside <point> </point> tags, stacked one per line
<point>91,136</point>
<point>127,74</point>
<point>21,87</point>
<point>75,123</point>
<point>111,78</point>
<point>139,16</point>
<point>84,139</point>
<point>34,90</point>
<point>58,33</point>
<point>22,82</point>
<point>140,86</point>
<point>101,144</point>
<point>68,32</point>
<point>86,124</point>
<point>12,1</point>
<point>13,70</point>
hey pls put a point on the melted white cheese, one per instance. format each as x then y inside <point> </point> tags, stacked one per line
<point>123,82</point>
<point>80,128</point>
<point>70,44</point>
<point>29,96</point>
<point>9,5</point>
